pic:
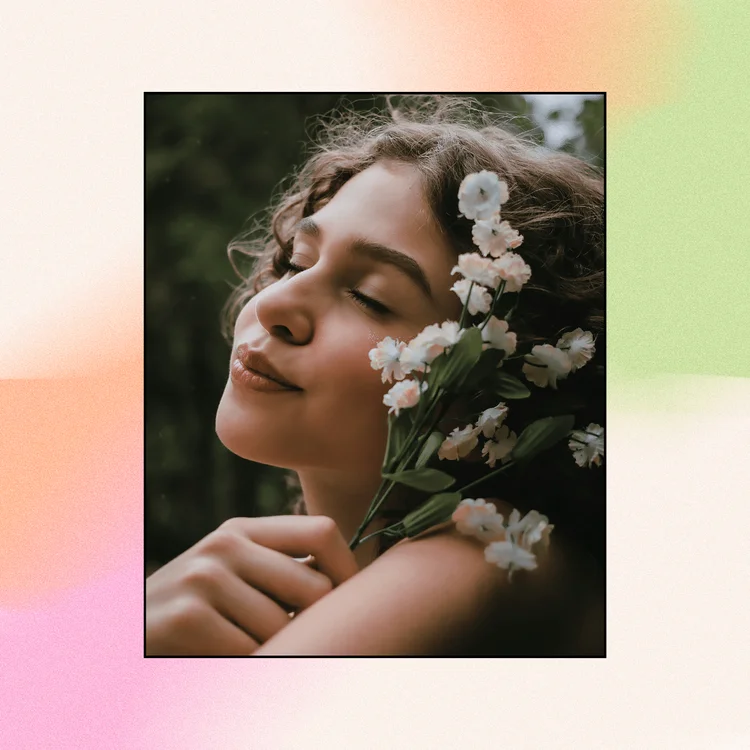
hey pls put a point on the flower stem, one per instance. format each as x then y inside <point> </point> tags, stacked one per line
<point>426,435</point>
<point>485,477</point>
<point>499,294</point>
<point>379,531</point>
<point>388,445</point>
<point>466,306</point>
<point>384,489</point>
<point>401,461</point>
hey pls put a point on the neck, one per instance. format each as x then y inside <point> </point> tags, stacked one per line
<point>345,498</point>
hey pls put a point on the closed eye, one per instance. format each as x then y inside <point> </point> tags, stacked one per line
<point>355,294</point>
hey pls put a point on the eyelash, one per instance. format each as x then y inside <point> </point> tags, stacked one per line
<point>358,297</point>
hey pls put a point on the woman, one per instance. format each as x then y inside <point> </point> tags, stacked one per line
<point>361,247</point>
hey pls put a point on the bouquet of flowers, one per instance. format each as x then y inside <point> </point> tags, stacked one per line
<point>452,360</point>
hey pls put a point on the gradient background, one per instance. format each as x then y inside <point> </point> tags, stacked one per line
<point>71,367</point>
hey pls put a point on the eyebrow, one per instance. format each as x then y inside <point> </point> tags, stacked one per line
<point>377,252</point>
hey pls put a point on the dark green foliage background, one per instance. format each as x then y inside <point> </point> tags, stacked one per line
<point>213,161</point>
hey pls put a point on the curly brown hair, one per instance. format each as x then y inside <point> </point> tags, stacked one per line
<point>556,202</point>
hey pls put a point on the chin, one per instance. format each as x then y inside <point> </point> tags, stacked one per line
<point>252,439</point>
<point>242,440</point>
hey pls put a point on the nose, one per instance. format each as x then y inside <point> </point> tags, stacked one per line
<point>284,313</point>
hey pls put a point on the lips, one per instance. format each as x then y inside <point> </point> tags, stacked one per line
<point>256,361</point>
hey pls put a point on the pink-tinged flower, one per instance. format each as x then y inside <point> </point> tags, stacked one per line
<point>500,447</point>
<point>495,334</point>
<point>479,519</point>
<point>429,344</point>
<point>386,356</point>
<point>481,194</point>
<point>494,237</point>
<point>579,346</point>
<point>477,269</point>
<point>459,443</point>
<point>490,419</point>
<point>512,268</point>
<point>545,365</point>
<point>403,395</point>
<point>511,236</point>
<point>480,299</point>
<point>509,556</point>
<point>414,359</point>
<point>588,445</point>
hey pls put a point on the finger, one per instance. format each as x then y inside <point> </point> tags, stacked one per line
<point>282,578</point>
<point>215,581</point>
<point>201,631</point>
<point>230,640</point>
<point>251,610</point>
<point>300,536</point>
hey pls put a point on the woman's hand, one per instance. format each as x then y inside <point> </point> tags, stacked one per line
<point>236,587</point>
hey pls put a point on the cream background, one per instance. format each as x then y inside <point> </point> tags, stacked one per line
<point>676,675</point>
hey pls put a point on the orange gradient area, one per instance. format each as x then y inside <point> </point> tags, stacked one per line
<point>71,477</point>
<point>631,50</point>
<point>70,310</point>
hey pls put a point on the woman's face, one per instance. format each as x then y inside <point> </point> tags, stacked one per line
<point>316,330</point>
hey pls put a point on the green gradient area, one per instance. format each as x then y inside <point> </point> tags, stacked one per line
<point>678,216</point>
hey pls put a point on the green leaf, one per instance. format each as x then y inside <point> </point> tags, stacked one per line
<point>436,510</point>
<point>399,428</point>
<point>426,398</point>
<point>484,369</point>
<point>506,386</point>
<point>463,357</point>
<point>541,435</point>
<point>429,448</point>
<point>429,480</point>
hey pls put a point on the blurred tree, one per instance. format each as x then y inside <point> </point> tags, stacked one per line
<point>212,161</point>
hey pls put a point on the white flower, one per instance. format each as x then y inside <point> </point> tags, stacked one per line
<point>479,519</point>
<point>579,345</point>
<point>490,419</point>
<point>500,446</point>
<point>496,336</point>
<point>557,365</point>
<point>513,269</point>
<point>481,195</point>
<point>459,443</point>
<point>414,359</point>
<point>494,237</point>
<point>429,344</point>
<point>508,555</point>
<point>480,299</point>
<point>477,269</point>
<point>588,448</point>
<point>403,395</point>
<point>532,528</point>
<point>386,356</point>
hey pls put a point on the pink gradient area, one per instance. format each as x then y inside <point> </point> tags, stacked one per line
<point>72,672</point>
<point>73,676</point>
<point>631,50</point>
<point>72,478</point>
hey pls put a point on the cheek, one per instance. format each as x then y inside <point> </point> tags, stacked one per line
<point>348,417</point>
<point>355,380</point>
<point>355,391</point>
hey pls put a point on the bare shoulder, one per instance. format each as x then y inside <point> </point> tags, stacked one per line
<point>434,595</point>
<point>555,610</point>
